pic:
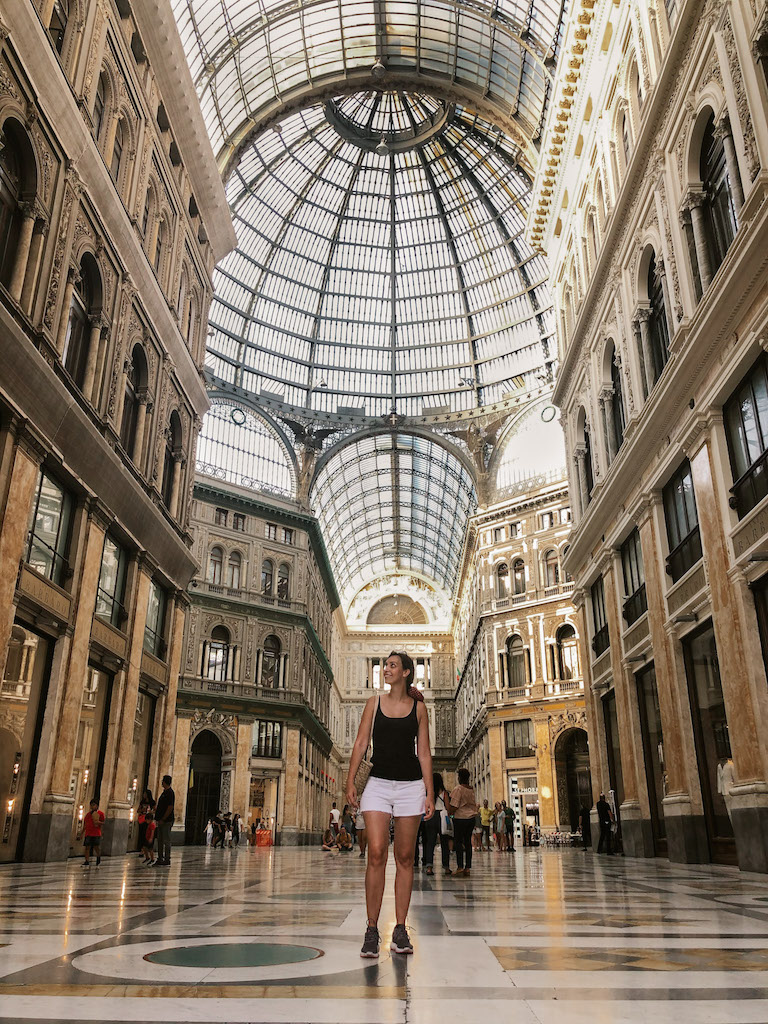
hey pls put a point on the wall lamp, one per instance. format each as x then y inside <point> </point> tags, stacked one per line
<point>693,617</point>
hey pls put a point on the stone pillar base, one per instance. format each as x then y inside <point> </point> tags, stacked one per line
<point>687,841</point>
<point>48,833</point>
<point>178,835</point>
<point>637,837</point>
<point>114,840</point>
<point>749,817</point>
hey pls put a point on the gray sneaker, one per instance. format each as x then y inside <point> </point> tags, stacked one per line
<point>400,942</point>
<point>371,942</point>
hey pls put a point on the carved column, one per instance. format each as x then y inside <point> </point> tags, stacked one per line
<point>693,206</point>
<point>640,324</point>
<point>723,131</point>
<point>606,406</point>
<point>33,263</point>
<point>94,344</point>
<point>141,419</point>
<point>22,251</point>
<point>173,504</point>
<point>661,270</point>
<point>581,468</point>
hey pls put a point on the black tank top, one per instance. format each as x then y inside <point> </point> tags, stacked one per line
<point>394,747</point>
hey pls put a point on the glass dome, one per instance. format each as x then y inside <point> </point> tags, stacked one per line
<point>381,263</point>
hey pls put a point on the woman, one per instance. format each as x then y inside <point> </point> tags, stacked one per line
<point>434,828</point>
<point>348,821</point>
<point>236,829</point>
<point>360,829</point>
<point>146,804</point>
<point>464,810</point>
<point>498,827</point>
<point>400,786</point>
<point>329,841</point>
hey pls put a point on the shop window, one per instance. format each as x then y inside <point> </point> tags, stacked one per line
<point>635,602</point>
<point>269,663</point>
<point>111,589</point>
<point>746,428</point>
<point>268,739</point>
<point>719,211</point>
<point>682,523</point>
<point>658,328</point>
<point>215,565</point>
<point>154,640</point>
<point>49,528</point>
<point>234,566</point>
<point>567,652</point>
<point>267,575</point>
<point>551,569</point>
<point>519,738</point>
<point>600,640</point>
<point>238,522</point>
<point>218,655</point>
<point>518,577</point>
<point>57,26</point>
<point>283,582</point>
<point>220,517</point>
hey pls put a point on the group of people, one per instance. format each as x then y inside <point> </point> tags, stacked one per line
<point>155,821</point>
<point>224,830</point>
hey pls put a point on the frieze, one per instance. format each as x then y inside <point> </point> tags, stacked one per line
<point>748,534</point>
<point>566,720</point>
<point>71,193</point>
<point>34,586</point>
<point>108,637</point>
<point>154,668</point>
<point>636,634</point>
<point>687,591</point>
<point>742,104</point>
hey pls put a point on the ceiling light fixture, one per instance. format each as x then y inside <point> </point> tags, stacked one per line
<point>382,149</point>
<point>379,69</point>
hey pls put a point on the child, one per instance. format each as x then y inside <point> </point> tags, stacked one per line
<point>149,838</point>
<point>94,819</point>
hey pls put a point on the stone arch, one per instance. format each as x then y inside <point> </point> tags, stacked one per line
<point>572,774</point>
<point>710,105</point>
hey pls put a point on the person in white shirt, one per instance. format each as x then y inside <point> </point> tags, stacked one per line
<point>334,818</point>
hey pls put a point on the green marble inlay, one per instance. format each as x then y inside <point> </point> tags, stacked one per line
<point>233,954</point>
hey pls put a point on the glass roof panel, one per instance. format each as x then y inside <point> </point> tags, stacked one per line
<point>381,263</point>
<point>245,55</point>
<point>393,502</point>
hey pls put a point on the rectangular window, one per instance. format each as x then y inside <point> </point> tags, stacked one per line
<point>565,515</point>
<point>48,539</point>
<point>111,591</point>
<point>682,523</point>
<point>271,531</point>
<point>514,530</point>
<point>600,641</point>
<point>267,739</point>
<point>547,520</point>
<point>746,428</point>
<point>154,641</point>
<point>287,536</point>
<point>634,578</point>
<point>519,738</point>
<point>498,535</point>
<point>220,517</point>
<point>238,522</point>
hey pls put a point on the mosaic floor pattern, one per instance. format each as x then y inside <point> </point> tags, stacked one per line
<point>273,935</point>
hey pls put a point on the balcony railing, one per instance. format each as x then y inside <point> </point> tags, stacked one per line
<point>635,605</point>
<point>601,641</point>
<point>752,487</point>
<point>687,553</point>
<point>564,686</point>
<point>199,684</point>
<point>497,604</point>
<point>250,596</point>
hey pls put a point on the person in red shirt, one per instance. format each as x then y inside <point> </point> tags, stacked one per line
<point>94,819</point>
<point>149,837</point>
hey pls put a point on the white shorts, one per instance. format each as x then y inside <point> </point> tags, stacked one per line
<point>400,799</point>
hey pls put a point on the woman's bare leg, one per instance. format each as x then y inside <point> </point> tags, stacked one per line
<point>406,830</point>
<point>377,836</point>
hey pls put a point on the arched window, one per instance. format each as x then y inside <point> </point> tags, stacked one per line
<point>218,654</point>
<point>283,582</point>
<point>10,197</point>
<point>626,139</point>
<point>233,570</point>
<point>57,26</point>
<point>592,239</point>
<point>191,321</point>
<point>502,580</point>
<point>215,565</point>
<point>158,255</point>
<point>658,329</point>
<point>145,214</point>
<point>117,151</point>
<point>567,653</point>
<point>602,210</point>
<point>82,308</point>
<point>619,418</point>
<point>134,382</point>
<point>518,576</point>
<point>566,575</point>
<point>719,208</point>
<point>270,661</point>
<point>551,569</point>
<point>590,474</point>
<point>267,573</point>
<point>516,667</point>
<point>99,105</point>
<point>173,437</point>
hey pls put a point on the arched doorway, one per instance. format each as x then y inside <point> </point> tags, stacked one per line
<point>574,781</point>
<point>204,786</point>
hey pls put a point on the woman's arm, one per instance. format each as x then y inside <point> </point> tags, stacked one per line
<point>425,758</point>
<point>361,745</point>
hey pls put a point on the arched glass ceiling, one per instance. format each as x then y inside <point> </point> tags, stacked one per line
<point>251,57</point>
<point>373,280</point>
<point>239,448</point>
<point>393,502</point>
<point>534,450</point>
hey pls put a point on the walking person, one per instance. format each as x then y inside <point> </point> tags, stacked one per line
<point>586,827</point>
<point>362,840</point>
<point>209,832</point>
<point>164,818</point>
<point>499,832</point>
<point>432,829</point>
<point>334,818</point>
<point>605,818</point>
<point>149,839</point>
<point>442,809</point>
<point>92,824</point>
<point>463,807</point>
<point>348,822</point>
<point>236,830</point>
<point>509,826</point>
<point>486,817</point>
<point>400,786</point>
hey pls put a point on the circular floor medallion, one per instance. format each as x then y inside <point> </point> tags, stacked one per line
<point>233,954</point>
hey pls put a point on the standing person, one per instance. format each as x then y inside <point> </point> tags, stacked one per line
<point>586,827</point>
<point>509,825</point>
<point>605,817</point>
<point>209,832</point>
<point>498,827</point>
<point>146,804</point>
<point>486,817</point>
<point>348,822</point>
<point>463,807</point>
<point>236,829</point>
<point>432,829</point>
<point>400,786</point>
<point>149,838</point>
<point>442,807</point>
<point>164,817</point>
<point>362,840</point>
<point>92,823</point>
<point>334,818</point>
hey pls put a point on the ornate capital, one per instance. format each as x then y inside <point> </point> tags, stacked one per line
<point>693,198</point>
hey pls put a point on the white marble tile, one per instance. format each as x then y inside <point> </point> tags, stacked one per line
<point>443,960</point>
<point>654,1011</point>
<point>470,1011</point>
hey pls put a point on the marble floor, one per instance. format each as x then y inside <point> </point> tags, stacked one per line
<point>273,935</point>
